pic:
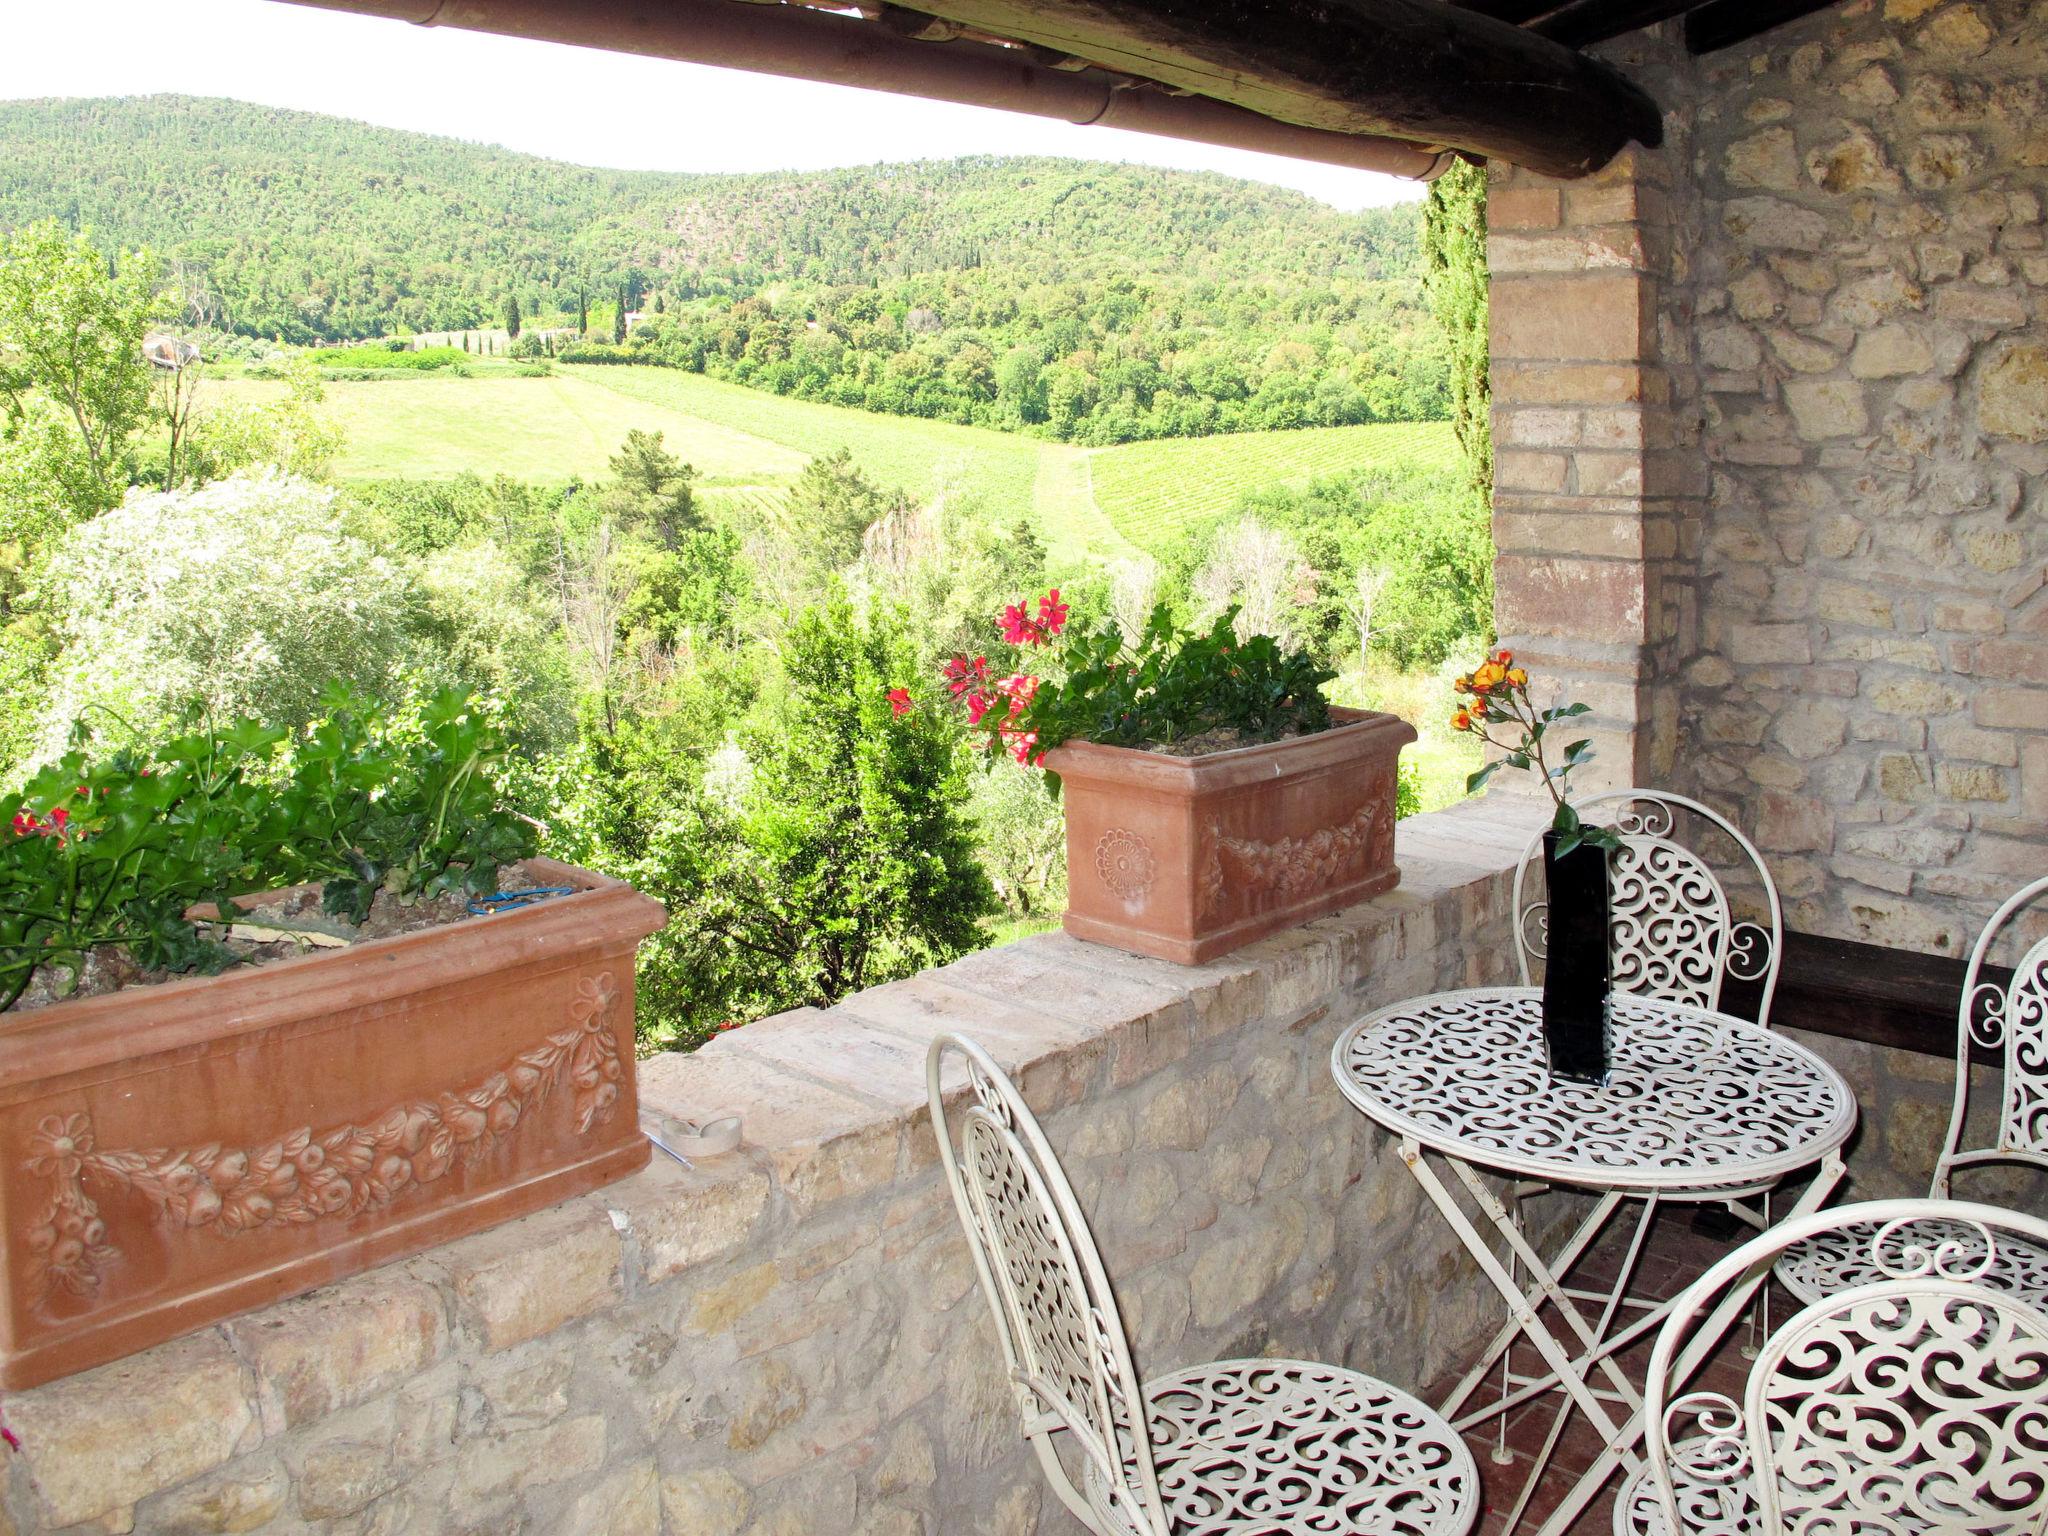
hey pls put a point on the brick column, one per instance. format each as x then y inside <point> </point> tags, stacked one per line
<point>1598,476</point>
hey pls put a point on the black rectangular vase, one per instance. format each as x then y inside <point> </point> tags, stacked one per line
<point>1576,975</point>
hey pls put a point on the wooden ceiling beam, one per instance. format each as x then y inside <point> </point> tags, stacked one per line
<point>1724,23</point>
<point>1517,11</point>
<point>1581,23</point>
<point>1421,70</point>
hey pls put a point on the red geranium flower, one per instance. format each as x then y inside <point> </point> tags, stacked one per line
<point>899,701</point>
<point>1017,626</point>
<point>962,674</point>
<point>1052,613</point>
<point>1019,688</point>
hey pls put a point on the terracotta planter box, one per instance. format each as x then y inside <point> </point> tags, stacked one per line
<point>1188,858</point>
<point>170,1155</point>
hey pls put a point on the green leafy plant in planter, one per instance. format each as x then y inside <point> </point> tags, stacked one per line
<point>1169,688</point>
<point>407,802</point>
<point>113,854</point>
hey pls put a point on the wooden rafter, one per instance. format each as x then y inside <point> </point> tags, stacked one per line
<point>1416,69</point>
<point>1585,22</point>
<point>1724,23</point>
<point>1517,11</point>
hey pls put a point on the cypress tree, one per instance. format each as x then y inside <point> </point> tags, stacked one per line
<point>619,319</point>
<point>1454,278</point>
<point>512,314</point>
<point>582,313</point>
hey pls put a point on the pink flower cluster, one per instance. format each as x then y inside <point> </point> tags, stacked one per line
<point>1005,698</point>
<point>1019,628</point>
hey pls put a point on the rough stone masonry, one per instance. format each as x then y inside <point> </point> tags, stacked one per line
<point>1772,407</point>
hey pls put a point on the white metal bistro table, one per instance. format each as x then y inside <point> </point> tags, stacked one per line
<point>1695,1101</point>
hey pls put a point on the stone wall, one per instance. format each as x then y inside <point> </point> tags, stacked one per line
<point>1872,687</point>
<point>1826,302</point>
<point>789,1339</point>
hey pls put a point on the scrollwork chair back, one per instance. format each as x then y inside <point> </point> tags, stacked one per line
<point>1672,931</point>
<point>2013,1017</point>
<point>1913,1404</point>
<point>1063,1341</point>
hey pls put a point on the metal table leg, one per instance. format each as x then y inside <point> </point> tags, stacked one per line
<point>1521,1307</point>
<point>1704,1340</point>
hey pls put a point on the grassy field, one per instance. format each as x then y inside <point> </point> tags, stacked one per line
<point>545,429</point>
<point>1151,491</point>
<point>1090,503</point>
<point>922,457</point>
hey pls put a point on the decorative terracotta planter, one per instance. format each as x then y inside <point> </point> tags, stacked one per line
<point>1188,858</point>
<point>171,1155</point>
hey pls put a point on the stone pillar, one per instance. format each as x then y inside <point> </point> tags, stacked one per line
<point>1599,483</point>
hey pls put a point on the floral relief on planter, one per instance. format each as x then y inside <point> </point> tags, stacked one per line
<point>171,1155</point>
<point>301,1177</point>
<point>1124,863</point>
<point>1197,856</point>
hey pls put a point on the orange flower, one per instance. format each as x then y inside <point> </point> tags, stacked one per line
<point>1462,685</point>
<point>1461,721</point>
<point>1505,657</point>
<point>1488,676</point>
<point>1518,677</point>
<point>1478,707</point>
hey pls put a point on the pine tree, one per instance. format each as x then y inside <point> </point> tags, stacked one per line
<point>850,861</point>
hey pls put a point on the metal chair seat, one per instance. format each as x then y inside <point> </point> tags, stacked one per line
<point>2006,1014</point>
<point>1914,1402</point>
<point>1294,1448</point>
<point>1239,1448</point>
<point>1707,1506</point>
<point>1836,1260</point>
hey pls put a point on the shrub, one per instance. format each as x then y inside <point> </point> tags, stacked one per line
<point>426,359</point>
<point>239,598</point>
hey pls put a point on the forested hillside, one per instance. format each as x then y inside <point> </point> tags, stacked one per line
<point>1092,302</point>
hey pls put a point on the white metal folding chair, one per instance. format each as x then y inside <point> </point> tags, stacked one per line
<point>1917,1402</point>
<point>1239,1448</point>
<point>2011,1016</point>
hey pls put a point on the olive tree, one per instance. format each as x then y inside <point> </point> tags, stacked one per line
<point>242,597</point>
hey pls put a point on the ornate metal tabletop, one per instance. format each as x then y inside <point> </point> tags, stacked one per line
<point>1696,1099</point>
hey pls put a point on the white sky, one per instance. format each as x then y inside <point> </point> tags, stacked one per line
<point>571,104</point>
